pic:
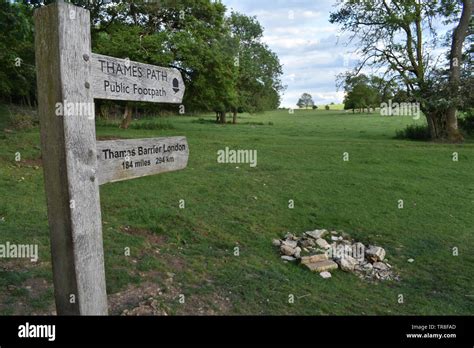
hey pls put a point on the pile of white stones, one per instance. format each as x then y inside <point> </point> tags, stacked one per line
<point>322,251</point>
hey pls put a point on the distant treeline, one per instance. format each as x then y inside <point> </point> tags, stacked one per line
<point>225,65</point>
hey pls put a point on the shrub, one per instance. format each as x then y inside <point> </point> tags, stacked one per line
<point>327,107</point>
<point>466,123</point>
<point>153,124</point>
<point>102,122</point>
<point>414,132</point>
<point>22,121</point>
<point>315,107</point>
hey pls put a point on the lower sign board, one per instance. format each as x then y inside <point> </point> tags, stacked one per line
<point>133,158</point>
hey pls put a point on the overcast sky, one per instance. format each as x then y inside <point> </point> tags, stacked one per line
<point>299,32</point>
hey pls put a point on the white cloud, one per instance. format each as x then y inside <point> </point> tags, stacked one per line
<point>299,32</point>
<point>310,48</point>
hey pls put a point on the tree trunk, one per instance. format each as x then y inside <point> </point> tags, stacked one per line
<point>234,117</point>
<point>104,111</point>
<point>434,125</point>
<point>217,116</point>
<point>452,131</point>
<point>459,35</point>
<point>127,117</point>
<point>223,117</point>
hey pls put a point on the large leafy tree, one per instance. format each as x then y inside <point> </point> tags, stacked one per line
<point>191,36</point>
<point>365,92</point>
<point>224,64</point>
<point>259,69</point>
<point>17,72</point>
<point>305,101</point>
<point>400,35</point>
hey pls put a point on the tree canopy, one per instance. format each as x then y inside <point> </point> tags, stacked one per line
<point>224,63</point>
<point>305,101</point>
<point>400,36</point>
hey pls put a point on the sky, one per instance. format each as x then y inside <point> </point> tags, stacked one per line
<point>299,32</point>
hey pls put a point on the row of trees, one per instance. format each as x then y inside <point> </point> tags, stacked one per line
<point>306,101</point>
<point>368,92</point>
<point>398,37</point>
<point>225,65</point>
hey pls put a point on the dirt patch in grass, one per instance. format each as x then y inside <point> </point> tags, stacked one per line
<point>36,287</point>
<point>35,163</point>
<point>153,238</point>
<point>132,296</point>
<point>18,265</point>
<point>151,298</point>
<point>16,300</point>
<point>175,263</point>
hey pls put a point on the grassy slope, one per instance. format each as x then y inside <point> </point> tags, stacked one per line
<point>299,158</point>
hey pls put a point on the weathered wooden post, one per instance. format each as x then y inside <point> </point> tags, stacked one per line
<point>69,77</point>
<point>68,142</point>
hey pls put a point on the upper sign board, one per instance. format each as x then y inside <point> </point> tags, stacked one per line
<point>122,79</point>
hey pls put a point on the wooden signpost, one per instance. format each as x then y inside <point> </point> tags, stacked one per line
<point>68,73</point>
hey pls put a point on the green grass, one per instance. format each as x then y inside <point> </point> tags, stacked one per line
<point>228,205</point>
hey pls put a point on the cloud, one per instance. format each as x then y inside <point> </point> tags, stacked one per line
<point>311,50</point>
<point>299,32</point>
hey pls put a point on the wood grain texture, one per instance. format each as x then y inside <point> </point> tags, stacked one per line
<point>69,158</point>
<point>121,79</point>
<point>133,158</point>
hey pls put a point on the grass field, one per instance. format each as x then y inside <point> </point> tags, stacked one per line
<point>300,157</point>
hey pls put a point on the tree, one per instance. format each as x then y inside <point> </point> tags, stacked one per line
<point>305,101</point>
<point>362,92</point>
<point>258,68</point>
<point>392,34</point>
<point>224,63</point>
<point>17,73</point>
<point>192,36</point>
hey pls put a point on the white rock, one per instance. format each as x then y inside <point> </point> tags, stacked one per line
<point>381,266</point>
<point>288,258</point>
<point>289,235</point>
<point>375,253</point>
<point>287,250</point>
<point>322,243</point>
<point>297,253</point>
<point>316,234</point>
<point>314,258</point>
<point>291,243</point>
<point>347,263</point>
<point>368,267</point>
<point>411,260</point>
<point>276,242</point>
<point>334,238</point>
<point>325,275</point>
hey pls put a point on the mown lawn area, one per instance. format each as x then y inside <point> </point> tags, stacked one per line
<point>190,251</point>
